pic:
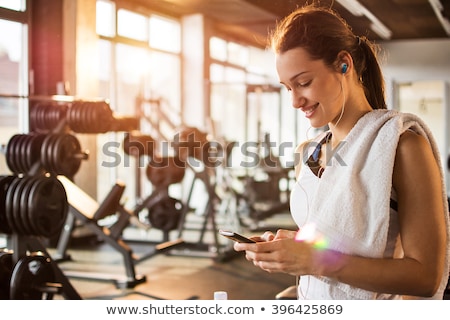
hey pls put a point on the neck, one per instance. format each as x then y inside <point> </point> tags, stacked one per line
<point>341,128</point>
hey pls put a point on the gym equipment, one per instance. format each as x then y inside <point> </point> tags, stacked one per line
<point>56,154</point>
<point>159,209</point>
<point>265,191</point>
<point>165,212</point>
<point>199,153</point>
<point>35,275</point>
<point>138,144</point>
<point>88,211</point>
<point>63,112</point>
<point>32,205</point>
<point>35,200</point>
<point>6,269</point>
<point>33,278</point>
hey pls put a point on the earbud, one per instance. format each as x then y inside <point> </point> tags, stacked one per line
<point>344,68</point>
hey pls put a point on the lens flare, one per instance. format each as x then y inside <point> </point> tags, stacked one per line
<point>308,234</point>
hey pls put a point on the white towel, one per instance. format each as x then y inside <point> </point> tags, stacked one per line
<point>352,205</point>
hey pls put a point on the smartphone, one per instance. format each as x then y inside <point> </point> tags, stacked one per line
<point>235,236</point>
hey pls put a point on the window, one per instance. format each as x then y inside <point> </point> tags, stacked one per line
<point>246,99</point>
<point>13,75</point>
<point>105,20</point>
<point>132,25</point>
<point>16,5</point>
<point>141,61</point>
<point>165,34</point>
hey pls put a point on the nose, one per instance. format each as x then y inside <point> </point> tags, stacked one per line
<point>298,100</point>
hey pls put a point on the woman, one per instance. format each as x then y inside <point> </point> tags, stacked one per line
<point>370,199</point>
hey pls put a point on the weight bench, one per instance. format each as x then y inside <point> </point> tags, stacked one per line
<point>89,212</point>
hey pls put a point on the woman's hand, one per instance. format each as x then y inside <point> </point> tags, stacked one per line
<point>280,253</point>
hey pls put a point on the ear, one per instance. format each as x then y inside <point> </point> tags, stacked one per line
<point>344,62</point>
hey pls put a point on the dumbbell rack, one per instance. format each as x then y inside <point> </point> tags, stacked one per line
<point>82,116</point>
<point>33,207</point>
<point>48,151</point>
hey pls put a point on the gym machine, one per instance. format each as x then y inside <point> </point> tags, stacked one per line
<point>192,153</point>
<point>205,157</point>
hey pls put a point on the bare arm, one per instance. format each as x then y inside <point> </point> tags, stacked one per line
<point>422,230</point>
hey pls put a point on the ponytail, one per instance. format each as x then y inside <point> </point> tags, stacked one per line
<point>370,75</point>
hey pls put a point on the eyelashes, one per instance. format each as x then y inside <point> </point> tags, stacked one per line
<point>300,85</point>
<point>304,84</point>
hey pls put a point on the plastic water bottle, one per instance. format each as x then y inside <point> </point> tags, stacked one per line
<point>220,295</point>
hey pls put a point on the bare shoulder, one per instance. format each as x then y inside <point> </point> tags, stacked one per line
<point>414,160</point>
<point>298,156</point>
<point>414,145</point>
<point>301,146</point>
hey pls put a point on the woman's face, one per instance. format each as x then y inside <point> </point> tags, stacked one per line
<point>315,88</point>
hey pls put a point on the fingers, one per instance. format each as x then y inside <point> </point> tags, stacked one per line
<point>265,237</point>
<point>285,234</point>
<point>268,236</point>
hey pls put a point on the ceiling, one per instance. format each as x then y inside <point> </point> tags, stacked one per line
<point>250,20</point>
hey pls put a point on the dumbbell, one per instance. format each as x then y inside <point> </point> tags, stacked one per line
<point>32,205</point>
<point>80,116</point>
<point>138,144</point>
<point>33,278</point>
<point>58,154</point>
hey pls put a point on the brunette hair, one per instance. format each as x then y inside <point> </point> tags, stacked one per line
<point>324,34</point>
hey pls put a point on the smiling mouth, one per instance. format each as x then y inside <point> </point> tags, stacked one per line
<point>310,110</point>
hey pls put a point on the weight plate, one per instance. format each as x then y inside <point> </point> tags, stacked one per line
<point>47,206</point>
<point>17,150</point>
<point>47,153</point>
<point>105,117</point>
<point>22,156</point>
<point>33,117</point>
<point>44,150</point>
<point>165,214</point>
<point>6,268</point>
<point>65,155</point>
<point>75,121</point>
<point>53,165</point>
<point>10,156</point>
<point>53,116</point>
<point>23,202</point>
<point>9,205</point>
<point>17,214</point>
<point>30,274</point>
<point>41,116</point>
<point>5,181</point>
<point>88,126</point>
<point>33,152</point>
<point>69,115</point>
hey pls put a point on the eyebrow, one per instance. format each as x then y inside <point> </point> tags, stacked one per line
<point>295,76</point>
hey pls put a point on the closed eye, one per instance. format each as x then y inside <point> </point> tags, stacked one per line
<point>304,84</point>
